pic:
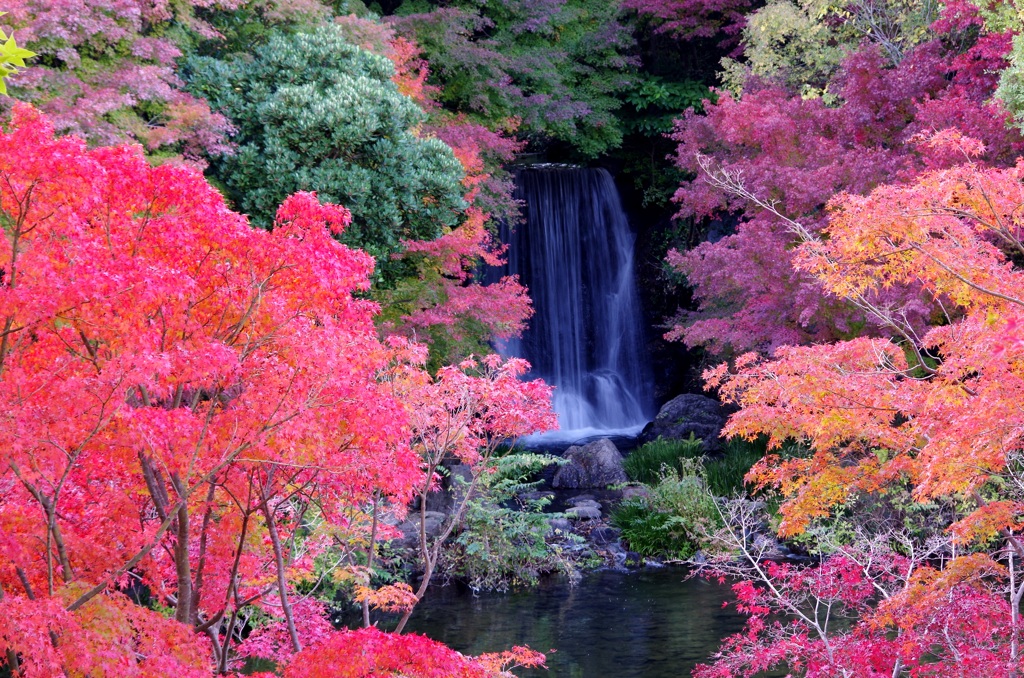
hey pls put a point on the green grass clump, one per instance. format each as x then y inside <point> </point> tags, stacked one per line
<point>724,475</point>
<point>679,513</point>
<point>647,532</point>
<point>676,517</point>
<point>646,464</point>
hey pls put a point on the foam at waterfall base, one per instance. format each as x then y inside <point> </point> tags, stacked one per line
<point>561,440</point>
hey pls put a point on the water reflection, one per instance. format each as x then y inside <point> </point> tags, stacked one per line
<point>649,624</point>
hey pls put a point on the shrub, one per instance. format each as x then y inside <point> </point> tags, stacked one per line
<point>314,112</point>
<point>675,519</point>
<point>504,541</point>
<point>645,464</point>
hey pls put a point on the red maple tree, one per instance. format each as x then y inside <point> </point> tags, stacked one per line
<point>190,409</point>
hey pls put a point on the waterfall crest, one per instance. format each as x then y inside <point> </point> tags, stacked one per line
<point>575,254</point>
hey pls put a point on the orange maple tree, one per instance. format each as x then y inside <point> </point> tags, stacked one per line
<point>936,407</point>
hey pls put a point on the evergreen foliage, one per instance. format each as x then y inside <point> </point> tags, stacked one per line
<point>1010,16</point>
<point>314,112</point>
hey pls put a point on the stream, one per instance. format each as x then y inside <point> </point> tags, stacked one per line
<point>650,623</point>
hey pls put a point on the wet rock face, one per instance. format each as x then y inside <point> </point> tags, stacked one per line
<point>583,507</point>
<point>584,512</point>
<point>595,465</point>
<point>689,413</point>
<point>410,529</point>
<point>559,526</point>
<point>605,536</point>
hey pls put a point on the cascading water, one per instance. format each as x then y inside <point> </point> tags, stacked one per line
<point>575,254</point>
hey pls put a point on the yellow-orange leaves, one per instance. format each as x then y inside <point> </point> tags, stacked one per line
<point>944,402</point>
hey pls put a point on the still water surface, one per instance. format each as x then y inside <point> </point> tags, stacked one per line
<point>651,623</point>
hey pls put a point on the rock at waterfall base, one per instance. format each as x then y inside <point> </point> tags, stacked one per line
<point>685,414</point>
<point>595,465</point>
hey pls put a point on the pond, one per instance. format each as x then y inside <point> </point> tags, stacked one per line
<point>650,623</point>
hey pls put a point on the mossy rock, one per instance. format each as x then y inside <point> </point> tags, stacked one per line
<point>690,413</point>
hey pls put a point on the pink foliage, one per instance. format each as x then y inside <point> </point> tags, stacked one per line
<point>271,641</point>
<point>825,621</point>
<point>170,376</point>
<point>103,104</point>
<point>688,19</point>
<point>502,307</point>
<point>798,153</point>
<point>483,152</point>
<point>468,409</point>
<point>455,253</point>
<point>373,36</point>
<point>929,411</point>
<point>113,636</point>
<point>450,263</point>
<point>301,212</point>
<point>370,653</point>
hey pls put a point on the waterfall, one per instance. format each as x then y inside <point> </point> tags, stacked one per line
<point>575,254</point>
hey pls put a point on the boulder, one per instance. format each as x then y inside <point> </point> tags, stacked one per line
<point>635,491</point>
<point>559,526</point>
<point>604,536</point>
<point>410,529</point>
<point>689,413</point>
<point>596,464</point>
<point>454,483</point>
<point>583,513</point>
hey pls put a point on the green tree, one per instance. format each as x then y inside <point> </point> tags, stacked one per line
<point>801,43</point>
<point>12,58</point>
<point>315,113</point>
<point>559,67</point>
<point>1009,16</point>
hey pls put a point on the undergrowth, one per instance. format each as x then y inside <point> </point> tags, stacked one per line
<point>646,463</point>
<point>505,541</point>
<point>674,519</point>
<point>679,512</point>
<point>725,474</point>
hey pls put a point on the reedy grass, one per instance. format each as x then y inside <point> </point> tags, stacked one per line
<point>647,463</point>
